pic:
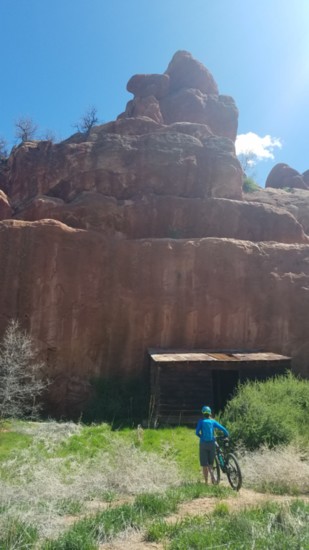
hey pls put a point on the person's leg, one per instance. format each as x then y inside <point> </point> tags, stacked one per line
<point>211,458</point>
<point>204,460</point>
<point>205,473</point>
<point>211,473</point>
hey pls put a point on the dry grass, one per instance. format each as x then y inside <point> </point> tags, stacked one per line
<point>42,490</point>
<point>279,470</point>
<point>41,487</point>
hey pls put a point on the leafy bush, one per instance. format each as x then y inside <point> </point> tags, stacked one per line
<point>250,186</point>
<point>273,412</point>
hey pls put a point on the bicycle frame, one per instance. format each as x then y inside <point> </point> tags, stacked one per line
<point>227,462</point>
<point>221,454</point>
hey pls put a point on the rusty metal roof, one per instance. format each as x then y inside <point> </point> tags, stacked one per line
<point>181,356</point>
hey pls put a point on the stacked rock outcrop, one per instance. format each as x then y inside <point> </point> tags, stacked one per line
<point>136,235</point>
<point>185,92</point>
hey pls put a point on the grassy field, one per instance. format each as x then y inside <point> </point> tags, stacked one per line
<point>70,486</point>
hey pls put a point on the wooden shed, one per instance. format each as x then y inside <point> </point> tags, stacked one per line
<point>183,381</point>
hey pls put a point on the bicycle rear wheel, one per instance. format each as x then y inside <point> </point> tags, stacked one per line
<point>233,472</point>
<point>216,471</point>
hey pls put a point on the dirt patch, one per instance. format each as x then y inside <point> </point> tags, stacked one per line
<point>133,540</point>
<point>244,499</point>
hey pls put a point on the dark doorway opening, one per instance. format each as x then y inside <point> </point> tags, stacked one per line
<point>224,383</point>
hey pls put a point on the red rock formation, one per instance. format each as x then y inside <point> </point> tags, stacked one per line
<point>186,72</point>
<point>137,236</point>
<point>305,177</point>
<point>283,176</point>
<point>154,216</point>
<point>167,162</point>
<point>187,92</point>
<point>95,305</point>
<point>5,207</point>
<point>295,201</point>
<point>143,85</point>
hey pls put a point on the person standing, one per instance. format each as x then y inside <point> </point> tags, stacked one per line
<point>205,430</point>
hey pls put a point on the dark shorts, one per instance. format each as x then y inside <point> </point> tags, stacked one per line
<point>207,453</point>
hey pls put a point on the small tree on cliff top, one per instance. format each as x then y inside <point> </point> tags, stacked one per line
<point>21,381</point>
<point>87,121</point>
<point>25,129</point>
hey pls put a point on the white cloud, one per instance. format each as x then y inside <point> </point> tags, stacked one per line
<point>257,147</point>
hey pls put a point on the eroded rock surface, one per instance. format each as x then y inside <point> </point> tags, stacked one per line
<point>137,235</point>
<point>95,304</point>
<point>295,201</point>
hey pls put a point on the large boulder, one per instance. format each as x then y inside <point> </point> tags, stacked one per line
<point>143,85</point>
<point>186,72</point>
<point>282,176</point>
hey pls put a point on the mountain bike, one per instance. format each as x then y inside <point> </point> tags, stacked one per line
<point>226,462</point>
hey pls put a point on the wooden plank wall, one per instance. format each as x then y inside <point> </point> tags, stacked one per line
<point>180,389</point>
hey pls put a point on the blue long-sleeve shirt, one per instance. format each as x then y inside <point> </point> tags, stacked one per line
<point>205,429</point>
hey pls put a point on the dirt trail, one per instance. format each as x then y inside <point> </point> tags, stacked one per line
<point>245,498</point>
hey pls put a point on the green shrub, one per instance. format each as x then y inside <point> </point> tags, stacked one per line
<point>273,412</point>
<point>250,186</point>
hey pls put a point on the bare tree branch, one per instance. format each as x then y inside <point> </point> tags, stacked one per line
<point>25,129</point>
<point>21,379</point>
<point>87,121</point>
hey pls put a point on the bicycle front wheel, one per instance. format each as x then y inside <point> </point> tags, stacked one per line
<point>233,472</point>
<point>216,471</point>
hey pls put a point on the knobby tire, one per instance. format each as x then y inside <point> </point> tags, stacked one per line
<point>233,472</point>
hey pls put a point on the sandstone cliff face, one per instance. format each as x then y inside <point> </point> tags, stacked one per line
<point>137,235</point>
<point>96,304</point>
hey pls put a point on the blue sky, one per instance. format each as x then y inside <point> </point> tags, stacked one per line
<point>61,56</point>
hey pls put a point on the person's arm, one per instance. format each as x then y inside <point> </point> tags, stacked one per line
<point>220,427</point>
<point>198,430</point>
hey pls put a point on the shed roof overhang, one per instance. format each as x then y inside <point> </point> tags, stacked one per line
<point>189,356</point>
